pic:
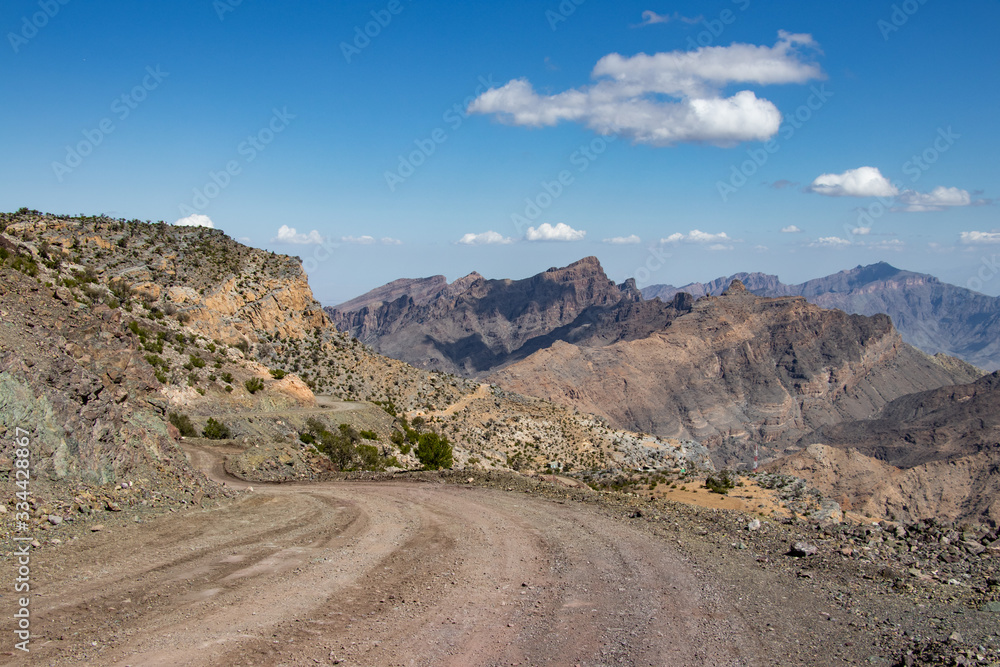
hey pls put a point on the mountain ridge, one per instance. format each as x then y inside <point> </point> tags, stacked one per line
<point>932,315</point>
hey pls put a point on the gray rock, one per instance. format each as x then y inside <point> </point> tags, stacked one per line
<point>802,549</point>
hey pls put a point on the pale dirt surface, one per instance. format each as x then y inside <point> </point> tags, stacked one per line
<point>384,574</point>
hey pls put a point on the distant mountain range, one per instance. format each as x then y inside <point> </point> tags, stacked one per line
<point>929,314</point>
<point>727,371</point>
<point>475,325</point>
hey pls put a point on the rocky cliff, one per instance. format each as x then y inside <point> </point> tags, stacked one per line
<point>475,325</point>
<point>929,314</point>
<point>738,369</point>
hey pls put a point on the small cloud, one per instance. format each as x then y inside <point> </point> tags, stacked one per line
<point>288,234</point>
<point>761,248</point>
<point>888,244</point>
<point>830,242</point>
<point>791,229</point>
<point>631,239</point>
<point>195,220</point>
<point>358,240</point>
<point>976,238</point>
<point>388,240</point>
<point>860,182</point>
<point>937,199</point>
<point>697,236</point>
<point>244,239</point>
<point>486,238</point>
<point>861,231</point>
<point>649,17</point>
<point>561,232</point>
<point>782,184</point>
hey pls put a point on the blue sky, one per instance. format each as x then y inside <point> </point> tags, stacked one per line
<point>675,141</point>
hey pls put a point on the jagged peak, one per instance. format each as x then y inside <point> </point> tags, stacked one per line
<point>735,287</point>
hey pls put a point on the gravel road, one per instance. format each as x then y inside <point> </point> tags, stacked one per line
<point>407,573</point>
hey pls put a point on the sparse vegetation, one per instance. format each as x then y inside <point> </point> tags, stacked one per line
<point>434,452</point>
<point>215,430</point>
<point>722,483</point>
<point>183,424</point>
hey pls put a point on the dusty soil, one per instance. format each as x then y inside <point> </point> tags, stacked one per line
<point>434,571</point>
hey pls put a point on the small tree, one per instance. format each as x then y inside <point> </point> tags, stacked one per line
<point>183,424</point>
<point>215,430</point>
<point>254,385</point>
<point>434,451</point>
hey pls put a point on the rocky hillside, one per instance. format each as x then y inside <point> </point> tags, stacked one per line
<point>738,369</point>
<point>930,454</point>
<point>929,314</point>
<point>475,325</point>
<point>74,381</point>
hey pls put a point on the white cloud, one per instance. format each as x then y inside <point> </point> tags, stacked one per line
<point>970,238</point>
<point>790,229</point>
<point>830,242</point>
<point>936,200</point>
<point>486,238</point>
<point>667,98</point>
<point>869,182</point>
<point>244,239</point>
<point>561,232</point>
<point>861,231</point>
<point>195,220</point>
<point>860,182</point>
<point>388,240</point>
<point>288,234</point>
<point>358,240</point>
<point>888,244</point>
<point>649,17</point>
<point>631,239</point>
<point>697,236</point>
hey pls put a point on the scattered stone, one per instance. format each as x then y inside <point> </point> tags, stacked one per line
<point>754,525</point>
<point>97,527</point>
<point>55,520</point>
<point>802,550</point>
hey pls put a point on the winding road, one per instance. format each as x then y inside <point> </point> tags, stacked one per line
<point>395,573</point>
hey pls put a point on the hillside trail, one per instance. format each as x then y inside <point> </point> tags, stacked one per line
<point>324,405</point>
<point>395,573</point>
<point>482,391</point>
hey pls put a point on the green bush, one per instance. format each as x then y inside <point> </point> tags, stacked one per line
<point>723,483</point>
<point>277,373</point>
<point>197,362</point>
<point>343,447</point>
<point>254,385</point>
<point>215,430</point>
<point>368,435</point>
<point>183,424</point>
<point>434,451</point>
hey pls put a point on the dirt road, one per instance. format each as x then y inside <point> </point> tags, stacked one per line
<point>383,574</point>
